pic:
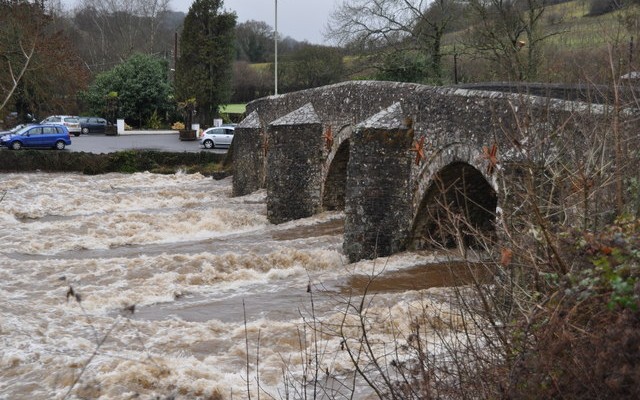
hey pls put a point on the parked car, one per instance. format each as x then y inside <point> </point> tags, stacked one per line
<point>218,136</point>
<point>71,122</point>
<point>54,136</point>
<point>93,125</point>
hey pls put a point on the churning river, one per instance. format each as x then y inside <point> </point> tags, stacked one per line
<point>155,286</point>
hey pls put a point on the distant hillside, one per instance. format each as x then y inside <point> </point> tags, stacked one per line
<point>578,48</point>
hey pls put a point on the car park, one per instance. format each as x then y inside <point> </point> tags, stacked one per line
<point>218,136</point>
<point>71,122</point>
<point>93,125</point>
<point>44,136</point>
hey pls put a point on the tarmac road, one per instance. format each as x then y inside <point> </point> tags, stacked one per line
<point>170,142</point>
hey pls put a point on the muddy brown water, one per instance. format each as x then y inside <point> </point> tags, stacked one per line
<point>277,305</point>
<point>420,277</point>
<point>204,271</point>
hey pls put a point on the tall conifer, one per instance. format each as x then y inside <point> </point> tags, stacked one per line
<point>204,68</point>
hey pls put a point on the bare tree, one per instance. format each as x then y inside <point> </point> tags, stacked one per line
<point>14,76</point>
<point>398,24</point>
<point>17,46</point>
<point>508,33</point>
<point>113,30</point>
<point>254,41</point>
<point>41,71</point>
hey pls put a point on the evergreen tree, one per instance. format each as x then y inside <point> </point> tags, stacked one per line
<point>142,88</point>
<point>204,68</point>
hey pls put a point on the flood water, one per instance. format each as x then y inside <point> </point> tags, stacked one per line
<point>154,286</point>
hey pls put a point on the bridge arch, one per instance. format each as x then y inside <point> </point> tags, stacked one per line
<point>457,203</point>
<point>335,180</point>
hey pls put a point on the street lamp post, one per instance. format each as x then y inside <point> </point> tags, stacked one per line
<point>276,51</point>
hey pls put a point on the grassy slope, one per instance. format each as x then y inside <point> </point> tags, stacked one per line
<point>576,34</point>
<point>574,27</point>
<point>579,30</point>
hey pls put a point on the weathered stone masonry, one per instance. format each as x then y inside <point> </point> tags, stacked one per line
<point>295,146</point>
<point>378,149</point>
<point>378,195</point>
<point>249,136</point>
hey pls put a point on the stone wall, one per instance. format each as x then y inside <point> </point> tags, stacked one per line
<point>603,94</point>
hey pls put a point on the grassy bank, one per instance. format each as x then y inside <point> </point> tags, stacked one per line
<point>210,164</point>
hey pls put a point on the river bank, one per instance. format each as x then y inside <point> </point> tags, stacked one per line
<point>206,163</point>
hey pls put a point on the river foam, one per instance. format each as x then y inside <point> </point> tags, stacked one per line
<point>136,286</point>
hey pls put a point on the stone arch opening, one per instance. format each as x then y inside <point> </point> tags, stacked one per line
<point>335,185</point>
<point>458,209</point>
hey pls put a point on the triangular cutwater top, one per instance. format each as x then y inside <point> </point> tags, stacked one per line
<point>251,121</point>
<point>304,115</point>
<point>389,118</point>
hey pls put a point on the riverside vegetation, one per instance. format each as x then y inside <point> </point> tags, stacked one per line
<point>130,161</point>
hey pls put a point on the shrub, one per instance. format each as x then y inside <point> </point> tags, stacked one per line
<point>154,121</point>
<point>585,341</point>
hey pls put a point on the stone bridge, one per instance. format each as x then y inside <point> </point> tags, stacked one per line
<point>397,156</point>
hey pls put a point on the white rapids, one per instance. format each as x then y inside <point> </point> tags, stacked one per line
<point>154,286</point>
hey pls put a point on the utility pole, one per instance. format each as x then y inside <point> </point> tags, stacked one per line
<point>276,50</point>
<point>175,57</point>
<point>455,65</point>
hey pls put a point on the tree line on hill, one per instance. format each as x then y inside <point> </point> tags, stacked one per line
<point>72,62</point>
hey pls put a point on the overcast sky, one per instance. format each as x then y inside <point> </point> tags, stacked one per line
<point>299,19</point>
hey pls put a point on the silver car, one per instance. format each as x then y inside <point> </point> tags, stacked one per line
<point>216,137</point>
<point>71,122</point>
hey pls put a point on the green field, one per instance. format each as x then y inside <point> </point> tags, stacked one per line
<point>572,28</point>
<point>233,108</point>
<point>576,29</point>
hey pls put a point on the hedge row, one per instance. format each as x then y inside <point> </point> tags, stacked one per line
<point>129,161</point>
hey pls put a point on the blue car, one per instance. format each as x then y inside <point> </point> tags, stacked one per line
<point>50,136</point>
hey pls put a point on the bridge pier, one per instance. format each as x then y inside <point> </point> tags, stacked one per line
<point>378,193</point>
<point>248,156</point>
<point>295,157</point>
